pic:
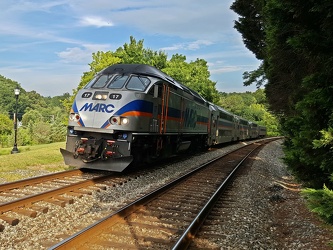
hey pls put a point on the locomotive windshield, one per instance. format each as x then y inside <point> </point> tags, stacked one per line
<point>138,83</point>
<point>112,81</point>
<point>99,81</point>
<point>116,81</point>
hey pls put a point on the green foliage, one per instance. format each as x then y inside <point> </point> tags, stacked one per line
<point>233,103</point>
<point>326,139</point>
<point>41,132</point>
<point>293,39</point>
<point>31,117</point>
<point>7,98</point>
<point>6,127</point>
<point>193,74</point>
<point>250,25</point>
<point>33,111</point>
<point>320,202</point>
<point>24,138</point>
<point>253,107</point>
<point>134,52</point>
<point>256,76</point>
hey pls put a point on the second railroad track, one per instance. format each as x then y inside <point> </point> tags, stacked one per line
<point>167,218</point>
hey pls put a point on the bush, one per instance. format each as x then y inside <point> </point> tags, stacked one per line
<point>321,202</point>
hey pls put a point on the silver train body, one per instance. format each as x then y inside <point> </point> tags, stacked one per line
<point>136,113</point>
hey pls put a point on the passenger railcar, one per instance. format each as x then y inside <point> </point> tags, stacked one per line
<point>136,112</point>
<point>262,131</point>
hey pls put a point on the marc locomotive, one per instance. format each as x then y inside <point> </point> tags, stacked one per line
<point>135,112</point>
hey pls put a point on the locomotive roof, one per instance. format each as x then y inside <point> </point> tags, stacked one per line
<point>134,69</point>
<point>144,69</point>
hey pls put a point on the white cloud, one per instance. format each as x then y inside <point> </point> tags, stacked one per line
<point>81,54</point>
<point>197,44</point>
<point>74,55</point>
<point>188,19</point>
<point>189,46</point>
<point>95,21</point>
<point>48,79</point>
<point>58,35</point>
<point>225,69</point>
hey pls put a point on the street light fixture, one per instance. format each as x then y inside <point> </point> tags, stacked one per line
<point>15,149</point>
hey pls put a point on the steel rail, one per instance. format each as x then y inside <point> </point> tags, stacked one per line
<point>5,207</point>
<point>111,219</point>
<point>186,238</point>
<point>38,179</point>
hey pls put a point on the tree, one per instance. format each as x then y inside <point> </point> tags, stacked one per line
<point>293,39</point>
<point>134,52</point>
<point>233,103</point>
<point>6,128</point>
<point>194,74</point>
<point>251,25</point>
<point>41,133</point>
<point>302,32</point>
<point>32,116</point>
<point>32,109</point>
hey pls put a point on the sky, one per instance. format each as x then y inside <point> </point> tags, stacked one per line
<point>47,45</point>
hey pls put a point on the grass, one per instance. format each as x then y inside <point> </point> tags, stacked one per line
<point>30,161</point>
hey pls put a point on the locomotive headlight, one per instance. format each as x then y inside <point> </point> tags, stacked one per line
<point>74,117</point>
<point>124,121</point>
<point>100,95</point>
<point>114,120</point>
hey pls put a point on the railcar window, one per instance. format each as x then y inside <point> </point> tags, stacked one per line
<point>243,122</point>
<point>118,82</point>
<point>101,81</point>
<point>138,83</point>
<point>91,82</point>
<point>226,116</point>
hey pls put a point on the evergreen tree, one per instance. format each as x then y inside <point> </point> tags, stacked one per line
<point>293,39</point>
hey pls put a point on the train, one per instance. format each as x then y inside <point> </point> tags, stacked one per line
<point>136,113</point>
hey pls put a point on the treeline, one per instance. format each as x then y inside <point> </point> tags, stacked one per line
<point>44,119</point>
<point>293,39</point>
<point>41,119</point>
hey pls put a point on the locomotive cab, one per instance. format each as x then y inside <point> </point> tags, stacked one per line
<point>103,118</point>
<point>132,112</point>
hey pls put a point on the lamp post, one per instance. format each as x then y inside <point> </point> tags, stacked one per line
<point>15,149</point>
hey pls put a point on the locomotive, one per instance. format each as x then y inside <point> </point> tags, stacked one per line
<point>136,113</point>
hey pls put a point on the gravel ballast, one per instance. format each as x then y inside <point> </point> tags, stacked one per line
<point>273,214</point>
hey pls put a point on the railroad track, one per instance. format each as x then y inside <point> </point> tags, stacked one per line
<point>168,217</point>
<point>22,197</point>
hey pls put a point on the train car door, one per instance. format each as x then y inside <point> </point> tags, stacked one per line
<point>154,125</point>
<point>236,134</point>
<point>212,125</point>
<point>164,108</point>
